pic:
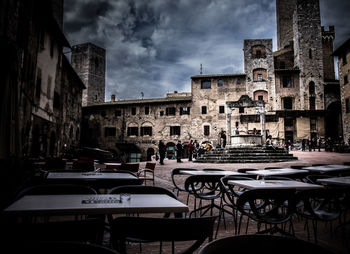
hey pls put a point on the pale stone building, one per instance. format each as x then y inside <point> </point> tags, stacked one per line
<point>295,83</point>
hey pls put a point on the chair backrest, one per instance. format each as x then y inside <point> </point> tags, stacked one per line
<point>313,178</point>
<point>132,167</point>
<point>162,229</point>
<point>268,205</point>
<point>59,247</point>
<point>267,168</point>
<point>177,171</point>
<point>322,204</point>
<point>243,170</point>
<point>262,244</point>
<point>204,186</point>
<point>55,189</point>
<point>150,165</point>
<point>231,191</point>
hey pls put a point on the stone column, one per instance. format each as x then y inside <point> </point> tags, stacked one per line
<point>228,125</point>
<point>263,129</point>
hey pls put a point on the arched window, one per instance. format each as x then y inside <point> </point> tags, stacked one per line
<point>261,95</point>
<point>312,87</point>
<point>259,74</point>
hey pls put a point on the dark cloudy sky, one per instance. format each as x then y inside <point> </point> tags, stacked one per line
<point>155,46</point>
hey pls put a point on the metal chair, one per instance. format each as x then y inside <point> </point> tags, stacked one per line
<point>175,172</point>
<point>162,230</point>
<point>270,207</point>
<point>147,173</point>
<point>262,244</point>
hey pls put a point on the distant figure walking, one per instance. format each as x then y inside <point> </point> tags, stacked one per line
<point>190,149</point>
<point>162,150</point>
<point>179,151</point>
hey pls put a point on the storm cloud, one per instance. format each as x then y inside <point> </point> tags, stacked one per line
<point>155,46</point>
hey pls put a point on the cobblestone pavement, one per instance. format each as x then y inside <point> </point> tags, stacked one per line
<point>334,241</point>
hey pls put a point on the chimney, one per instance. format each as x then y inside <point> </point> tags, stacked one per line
<point>113,98</point>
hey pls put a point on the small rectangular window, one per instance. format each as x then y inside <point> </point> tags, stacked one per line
<point>161,113</point>
<point>260,97</point>
<point>288,122</point>
<point>287,81</point>
<point>206,130</point>
<point>117,113</point>
<point>133,111</point>
<point>346,79</point>
<point>347,105</point>
<point>204,110</point>
<point>170,111</point>
<point>344,59</point>
<point>146,110</point>
<point>184,110</point>
<point>239,81</point>
<point>220,83</point>
<point>206,84</point>
<point>287,103</point>
<point>313,122</point>
<point>56,100</point>
<point>241,110</point>
<point>146,131</point>
<point>260,77</point>
<point>174,130</point>
<point>110,132</point>
<point>133,131</point>
<point>221,109</point>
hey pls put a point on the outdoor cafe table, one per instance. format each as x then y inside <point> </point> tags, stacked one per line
<point>90,176</point>
<point>341,181</point>
<point>37,205</point>
<point>328,168</point>
<point>277,172</point>
<point>274,184</point>
<point>213,173</point>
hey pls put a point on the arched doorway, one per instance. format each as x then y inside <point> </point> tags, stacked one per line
<point>333,121</point>
<point>170,150</point>
<point>150,152</point>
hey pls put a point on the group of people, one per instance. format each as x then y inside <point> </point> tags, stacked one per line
<point>194,150</point>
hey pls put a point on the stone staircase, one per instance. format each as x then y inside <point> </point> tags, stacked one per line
<point>245,155</point>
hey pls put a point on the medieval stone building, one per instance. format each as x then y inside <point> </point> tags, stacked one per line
<point>343,53</point>
<point>296,84</point>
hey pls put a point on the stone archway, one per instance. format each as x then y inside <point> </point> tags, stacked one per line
<point>333,121</point>
<point>150,152</point>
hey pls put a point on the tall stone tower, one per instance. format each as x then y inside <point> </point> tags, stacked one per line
<point>308,56</point>
<point>89,61</point>
<point>284,12</point>
<point>328,60</point>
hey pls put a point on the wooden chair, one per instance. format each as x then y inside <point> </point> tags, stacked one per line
<point>147,173</point>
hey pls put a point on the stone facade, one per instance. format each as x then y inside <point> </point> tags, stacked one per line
<point>343,53</point>
<point>289,82</point>
<point>89,61</point>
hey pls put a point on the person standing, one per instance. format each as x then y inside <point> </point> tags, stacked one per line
<point>223,138</point>
<point>190,149</point>
<point>179,151</point>
<point>319,142</point>
<point>303,144</point>
<point>162,150</point>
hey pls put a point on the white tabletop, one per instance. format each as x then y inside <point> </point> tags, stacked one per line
<point>328,168</point>
<point>94,204</point>
<point>90,175</point>
<point>112,163</point>
<point>274,184</point>
<point>344,181</point>
<point>214,173</point>
<point>277,172</point>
